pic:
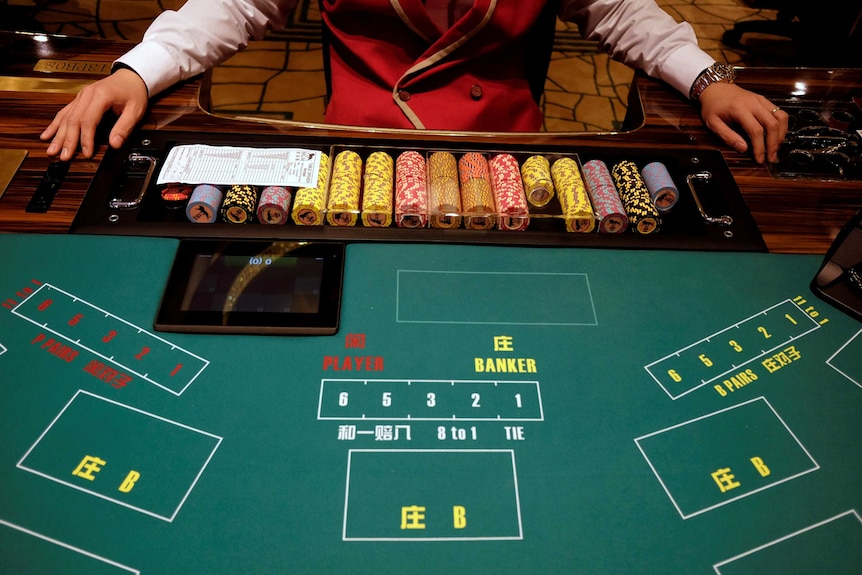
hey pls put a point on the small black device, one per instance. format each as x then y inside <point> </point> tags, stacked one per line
<point>254,287</point>
<point>839,279</point>
<point>50,183</point>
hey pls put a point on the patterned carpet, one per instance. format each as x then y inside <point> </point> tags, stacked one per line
<point>281,76</point>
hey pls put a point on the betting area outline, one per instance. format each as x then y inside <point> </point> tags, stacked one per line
<point>439,494</point>
<point>111,448</point>
<point>732,348</point>
<point>136,350</point>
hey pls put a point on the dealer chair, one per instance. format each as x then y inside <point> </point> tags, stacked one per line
<point>785,24</point>
<point>826,33</point>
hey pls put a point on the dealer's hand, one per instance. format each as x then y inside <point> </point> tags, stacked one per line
<point>723,105</point>
<point>123,92</point>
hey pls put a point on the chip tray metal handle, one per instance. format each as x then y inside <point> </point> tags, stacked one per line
<point>137,165</point>
<point>705,177</point>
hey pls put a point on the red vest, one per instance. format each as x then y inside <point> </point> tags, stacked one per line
<point>392,67</point>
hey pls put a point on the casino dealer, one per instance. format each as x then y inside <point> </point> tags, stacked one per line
<point>424,64</point>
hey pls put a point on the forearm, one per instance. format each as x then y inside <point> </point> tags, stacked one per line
<point>643,36</point>
<point>180,44</point>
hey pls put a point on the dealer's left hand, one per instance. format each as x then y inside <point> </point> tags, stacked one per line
<point>723,105</point>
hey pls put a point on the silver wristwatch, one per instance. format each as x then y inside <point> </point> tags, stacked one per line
<point>718,72</point>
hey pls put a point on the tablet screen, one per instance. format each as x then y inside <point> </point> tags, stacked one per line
<point>251,286</point>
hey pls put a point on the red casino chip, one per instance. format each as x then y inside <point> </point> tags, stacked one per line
<point>176,195</point>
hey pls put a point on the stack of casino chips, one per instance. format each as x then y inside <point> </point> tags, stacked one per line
<point>538,185</point>
<point>574,199</point>
<point>204,204</point>
<point>606,201</point>
<point>477,199</point>
<point>309,203</point>
<point>342,208</point>
<point>274,205</point>
<point>411,191</point>
<point>444,196</point>
<point>661,188</point>
<point>509,194</point>
<point>642,213</point>
<point>377,190</point>
<point>176,195</point>
<point>239,204</point>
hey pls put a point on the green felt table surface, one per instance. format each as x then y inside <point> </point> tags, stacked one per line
<point>481,409</point>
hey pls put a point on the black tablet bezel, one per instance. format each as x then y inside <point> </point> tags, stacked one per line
<point>171,316</point>
<point>835,282</point>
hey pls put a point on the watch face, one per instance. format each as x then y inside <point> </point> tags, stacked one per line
<point>724,71</point>
<point>718,72</point>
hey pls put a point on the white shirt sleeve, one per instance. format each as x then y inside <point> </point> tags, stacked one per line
<point>642,35</point>
<point>202,33</point>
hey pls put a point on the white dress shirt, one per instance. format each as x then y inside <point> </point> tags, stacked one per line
<point>202,33</point>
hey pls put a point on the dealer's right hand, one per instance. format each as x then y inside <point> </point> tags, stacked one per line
<point>123,92</point>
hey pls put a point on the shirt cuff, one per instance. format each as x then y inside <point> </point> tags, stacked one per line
<point>683,66</point>
<point>148,61</point>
